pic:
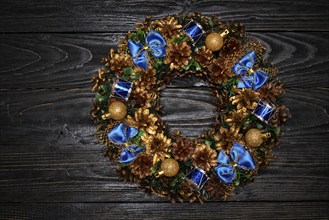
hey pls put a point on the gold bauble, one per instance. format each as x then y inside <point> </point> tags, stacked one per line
<point>214,41</point>
<point>255,137</point>
<point>169,167</point>
<point>117,110</point>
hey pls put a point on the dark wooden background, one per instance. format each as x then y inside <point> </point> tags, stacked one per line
<point>51,165</point>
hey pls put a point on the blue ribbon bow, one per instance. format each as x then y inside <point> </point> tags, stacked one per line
<point>121,133</point>
<point>129,153</point>
<point>250,78</point>
<point>155,43</point>
<point>240,158</point>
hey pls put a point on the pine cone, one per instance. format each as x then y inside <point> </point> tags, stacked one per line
<point>142,165</point>
<point>143,120</point>
<point>256,46</point>
<point>98,80</point>
<point>182,149</point>
<point>216,73</point>
<point>145,90</point>
<point>204,157</point>
<point>270,91</point>
<point>235,118</point>
<point>231,46</point>
<point>156,143</point>
<point>222,97</point>
<point>227,137</point>
<point>213,187</point>
<point>168,27</point>
<point>245,99</point>
<point>281,115</point>
<point>118,61</point>
<point>178,55</point>
<point>203,56</point>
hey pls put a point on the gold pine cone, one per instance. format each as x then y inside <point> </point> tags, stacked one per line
<point>204,157</point>
<point>145,90</point>
<point>178,55</point>
<point>156,143</point>
<point>182,149</point>
<point>203,56</point>
<point>227,137</point>
<point>168,27</point>
<point>98,80</point>
<point>144,120</point>
<point>213,187</point>
<point>235,117</point>
<point>118,61</point>
<point>231,46</point>
<point>142,165</point>
<point>270,91</point>
<point>245,99</point>
<point>281,115</point>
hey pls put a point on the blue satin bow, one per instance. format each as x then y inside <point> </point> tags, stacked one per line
<point>154,42</point>
<point>250,78</point>
<point>240,158</point>
<point>121,133</point>
<point>129,153</point>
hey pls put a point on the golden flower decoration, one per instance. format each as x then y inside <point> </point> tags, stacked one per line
<point>142,166</point>
<point>156,143</point>
<point>270,91</point>
<point>245,99</point>
<point>178,55</point>
<point>235,117</point>
<point>168,27</point>
<point>226,137</point>
<point>204,157</point>
<point>144,120</point>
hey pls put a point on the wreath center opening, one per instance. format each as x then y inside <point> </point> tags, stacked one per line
<point>188,106</point>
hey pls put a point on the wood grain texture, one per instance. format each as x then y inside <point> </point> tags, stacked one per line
<point>52,61</point>
<point>51,165</point>
<point>48,146</point>
<point>117,16</point>
<point>255,210</point>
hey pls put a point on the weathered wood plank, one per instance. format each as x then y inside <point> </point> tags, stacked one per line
<point>117,16</point>
<point>49,151</point>
<point>230,210</point>
<point>70,60</point>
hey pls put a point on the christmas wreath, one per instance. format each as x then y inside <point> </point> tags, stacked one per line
<point>126,107</point>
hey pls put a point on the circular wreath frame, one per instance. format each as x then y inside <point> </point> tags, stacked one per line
<point>236,105</point>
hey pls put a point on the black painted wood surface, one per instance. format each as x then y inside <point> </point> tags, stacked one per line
<point>51,166</point>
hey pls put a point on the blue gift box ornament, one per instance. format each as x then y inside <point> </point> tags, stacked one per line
<point>121,89</point>
<point>264,111</point>
<point>194,31</point>
<point>196,178</point>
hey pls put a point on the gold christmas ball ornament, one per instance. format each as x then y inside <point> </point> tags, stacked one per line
<point>117,110</point>
<point>169,167</point>
<point>255,137</point>
<point>214,41</point>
